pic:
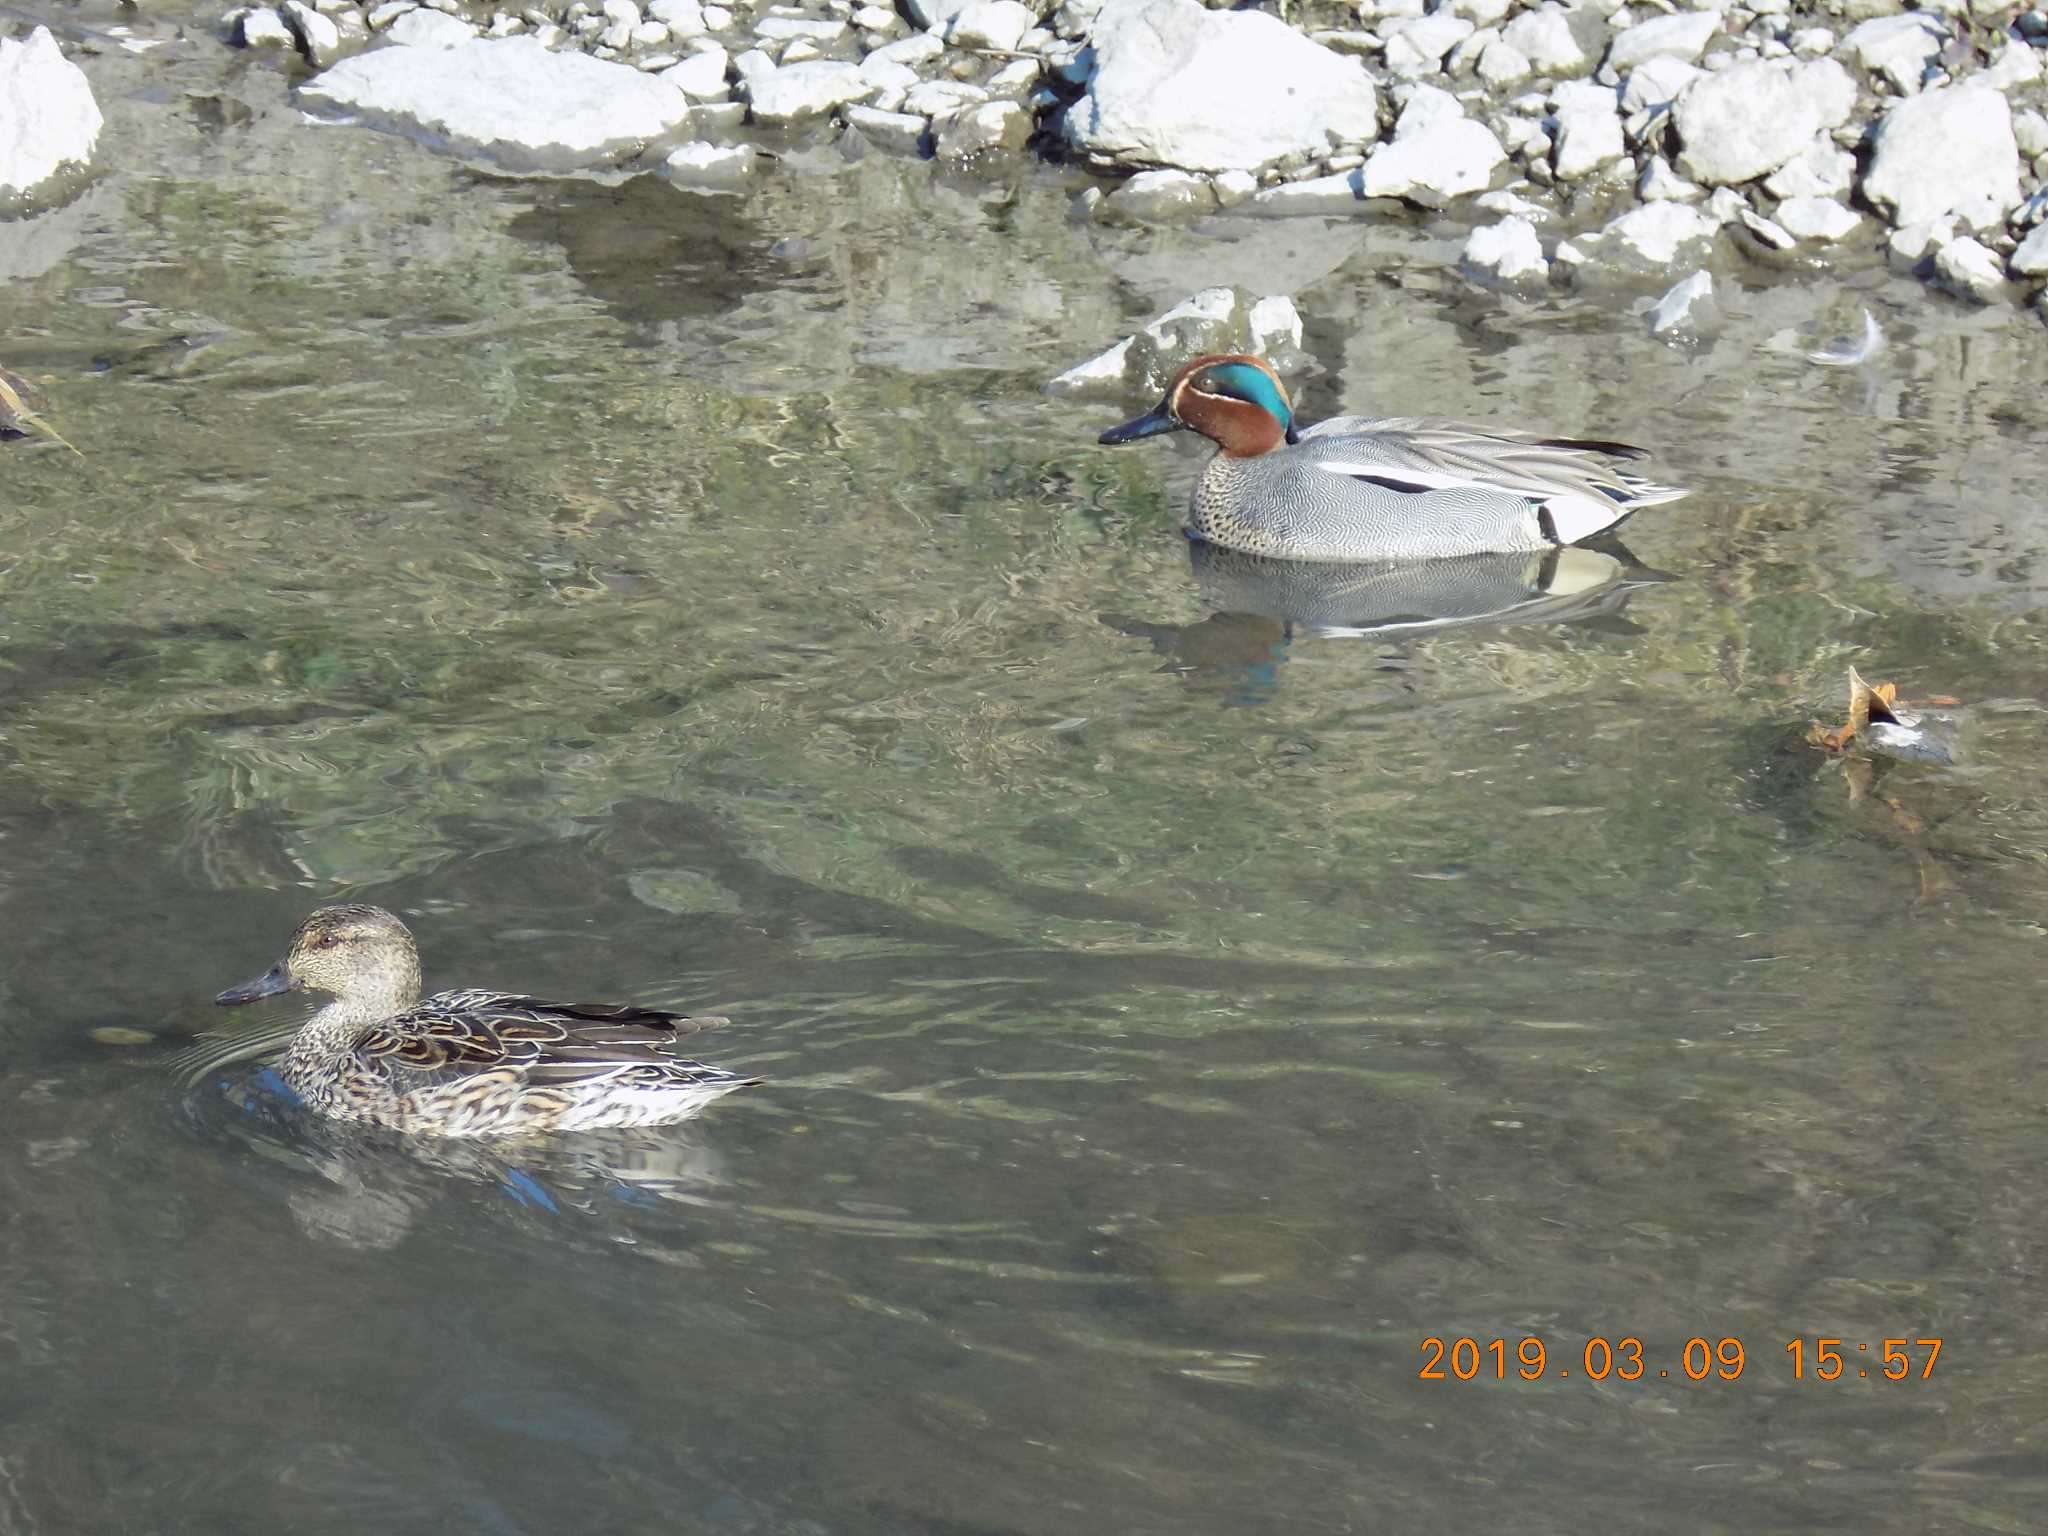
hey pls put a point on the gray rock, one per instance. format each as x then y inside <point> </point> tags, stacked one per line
<point>1177,85</point>
<point>1506,254</point>
<point>800,91</point>
<point>1746,121</point>
<point>1969,271</point>
<point>704,165</point>
<point>1544,38</point>
<point>1687,310</point>
<point>1683,36</point>
<point>48,118</point>
<point>1897,47</point>
<point>1161,195</point>
<point>263,27</point>
<point>2031,259</point>
<point>1819,219</point>
<point>319,38</point>
<point>904,132</point>
<point>1949,150</point>
<point>505,100</point>
<point>969,131</point>
<point>429,29</point>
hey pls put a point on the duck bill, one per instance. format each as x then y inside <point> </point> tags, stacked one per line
<point>1151,424</point>
<point>274,982</point>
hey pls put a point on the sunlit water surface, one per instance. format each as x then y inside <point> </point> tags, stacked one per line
<point>1172,1017</point>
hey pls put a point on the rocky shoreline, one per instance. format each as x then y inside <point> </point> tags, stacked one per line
<point>1582,146</point>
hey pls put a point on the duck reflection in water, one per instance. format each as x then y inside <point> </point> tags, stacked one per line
<point>1263,606</point>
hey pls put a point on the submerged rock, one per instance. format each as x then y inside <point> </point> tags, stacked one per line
<point>506,100</point>
<point>1176,85</point>
<point>1505,254</point>
<point>48,118</point>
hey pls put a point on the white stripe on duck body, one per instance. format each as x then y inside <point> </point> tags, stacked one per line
<point>472,1062</point>
<point>1391,488</point>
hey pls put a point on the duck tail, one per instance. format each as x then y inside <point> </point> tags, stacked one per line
<point>1648,493</point>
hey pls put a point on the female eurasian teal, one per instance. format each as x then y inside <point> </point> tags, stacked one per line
<point>1399,488</point>
<point>471,1063</point>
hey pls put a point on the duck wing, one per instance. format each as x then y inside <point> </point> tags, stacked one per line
<point>454,1035</point>
<point>1569,483</point>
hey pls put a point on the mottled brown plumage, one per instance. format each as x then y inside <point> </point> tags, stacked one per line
<point>471,1062</point>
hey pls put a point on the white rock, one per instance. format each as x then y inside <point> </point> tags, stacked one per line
<point>1509,205</point>
<point>969,131</point>
<point>1746,121</point>
<point>701,77</point>
<point>1660,184</point>
<point>875,18</point>
<point>48,119</point>
<point>1423,106</point>
<point>381,16</point>
<point>901,131</point>
<point>2030,130</point>
<point>1907,246</point>
<point>921,48</point>
<point>318,36</point>
<point>1482,13</point>
<point>1417,47</point>
<point>888,75</point>
<point>507,100</point>
<point>1657,232</point>
<point>805,90</point>
<point>783,28</point>
<point>1898,47</point>
<point>998,24</point>
<point>1817,218</point>
<point>1504,253</point>
<point>1329,196</point>
<point>1686,310</point>
<point>1441,160</point>
<point>752,62</point>
<point>620,13</point>
<point>1969,271</point>
<point>1588,131</point>
<point>1503,64</point>
<point>1156,195</point>
<point>2016,64</point>
<point>699,164</point>
<point>716,18</point>
<point>933,15</point>
<point>1656,82</point>
<point>1214,320</point>
<point>1821,170</point>
<point>1178,85</point>
<point>2031,259</point>
<point>1275,326</point>
<point>1233,187</point>
<point>1769,231</point>
<point>683,18</point>
<point>1949,150</point>
<point>262,27</point>
<point>1544,38</point>
<point>933,97</point>
<point>1682,36</point>
<point>429,29</point>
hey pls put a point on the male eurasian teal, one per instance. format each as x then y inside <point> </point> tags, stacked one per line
<point>1398,488</point>
<point>469,1063</point>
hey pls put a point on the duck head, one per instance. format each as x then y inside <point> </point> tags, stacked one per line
<point>359,954</point>
<point>1236,401</point>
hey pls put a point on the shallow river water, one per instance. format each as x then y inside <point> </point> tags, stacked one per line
<point>1173,1016</point>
